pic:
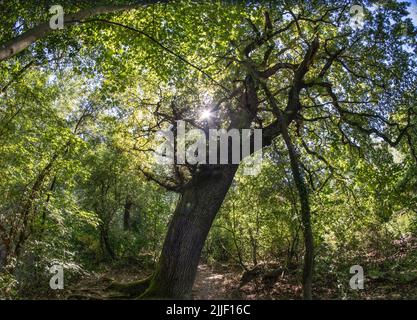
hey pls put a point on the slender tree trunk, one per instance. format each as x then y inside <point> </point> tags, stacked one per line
<point>187,233</point>
<point>305,214</point>
<point>105,243</point>
<point>254,247</point>
<point>24,40</point>
<point>283,121</point>
<point>3,254</point>
<point>126,215</point>
<point>238,251</point>
<point>28,208</point>
<point>45,207</point>
<point>235,240</point>
<point>292,249</point>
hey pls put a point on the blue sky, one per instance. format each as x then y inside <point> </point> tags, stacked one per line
<point>413,11</point>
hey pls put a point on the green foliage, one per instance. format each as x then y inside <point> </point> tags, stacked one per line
<point>79,110</point>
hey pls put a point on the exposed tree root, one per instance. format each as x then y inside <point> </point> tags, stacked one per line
<point>131,289</point>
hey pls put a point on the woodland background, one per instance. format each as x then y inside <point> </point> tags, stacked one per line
<point>79,109</point>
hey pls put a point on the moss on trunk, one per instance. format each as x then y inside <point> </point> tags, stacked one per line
<point>131,289</point>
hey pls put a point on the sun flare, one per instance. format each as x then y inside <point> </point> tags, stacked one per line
<point>206,114</point>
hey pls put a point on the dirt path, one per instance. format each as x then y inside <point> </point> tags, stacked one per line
<point>210,285</point>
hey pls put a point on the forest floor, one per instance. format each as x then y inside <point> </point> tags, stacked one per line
<point>391,274</point>
<point>221,283</point>
<point>212,283</point>
<point>208,285</point>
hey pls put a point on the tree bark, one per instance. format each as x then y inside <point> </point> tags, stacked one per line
<point>28,208</point>
<point>21,42</point>
<point>195,212</point>
<point>105,243</point>
<point>126,215</point>
<point>187,233</point>
<point>254,247</point>
<point>4,248</point>
<point>305,214</point>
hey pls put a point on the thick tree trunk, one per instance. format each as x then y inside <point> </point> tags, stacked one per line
<point>194,215</point>
<point>187,233</point>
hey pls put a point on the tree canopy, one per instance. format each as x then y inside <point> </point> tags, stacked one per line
<point>82,108</point>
